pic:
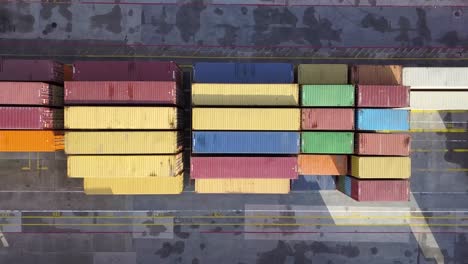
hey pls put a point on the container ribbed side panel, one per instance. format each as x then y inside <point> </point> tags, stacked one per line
<point>327,95</point>
<point>30,118</point>
<point>380,190</point>
<point>436,77</point>
<point>383,119</point>
<point>327,119</point>
<point>381,167</point>
<point>430,100</point>
<point>327,142</point>
<point>278,186</point>
<point>323,164</point>
<point>323,74</point>
<point>376,74</point>
<point>31,70</point>
<point>30,93</point>
<point>386,144</point>
<point>391,96</point>
<point>30,141</point>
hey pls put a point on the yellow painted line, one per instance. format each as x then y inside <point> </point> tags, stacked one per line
<point>439,150</point>
<point>444,170</point>
<point>236,224</point>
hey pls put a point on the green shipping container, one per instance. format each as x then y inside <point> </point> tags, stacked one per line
<point>327,142</point>
<point>327,95</point>
<point>323,74</point>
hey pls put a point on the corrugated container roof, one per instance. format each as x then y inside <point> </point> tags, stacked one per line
<point>327,95</point>
<point>327,119</point>
<point>387,144</point>
<point>122,117</point>
<point>381,167</point>
<point>123,142</point>
<point>245,142</point>
<point>31,70</point>
<point>30,118</point>
<point>322,74</point>
<point>30,93</point>
<point>327,142</point>
<point>382,119</point>
<point>314,183</point>
<point>323,164</point>
<point>229,72</point>
<point>380,190</point>
<point>272,186</point>
<point>100,166</point>
<point>30,141</point>
<point>431,100</point>
<point>243,167</point>
<point>383,96</point>
<point>436,77</point>
<point>376,74</point>
<point>245,94</point>
<point>134,186</point>
<point>246,119</point>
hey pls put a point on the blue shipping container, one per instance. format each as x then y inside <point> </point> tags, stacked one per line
<point>382,119</point>
<point>313,183</point>
<point>207,72</point>
<point>204,142</point>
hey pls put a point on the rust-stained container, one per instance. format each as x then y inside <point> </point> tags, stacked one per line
<point>127,71</point>
<point>327,118</point>
<point>67,72</point>
<point>243,167</point>
<point>380,190</point>
<point>150,93</point>
<point>376,74</point>
<point>31,70</point>
<point>323,164</point>
<point>391,96</point>
<point>384,144</point>
<point>30,93</point>
<point>30,141</point>
<point>30,118</point>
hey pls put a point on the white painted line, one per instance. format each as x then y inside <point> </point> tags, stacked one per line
<point>3,239</point>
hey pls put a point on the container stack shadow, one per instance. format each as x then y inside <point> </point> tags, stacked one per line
<point>31,106</point>
<point>123,127</point>
<point>245,127</point>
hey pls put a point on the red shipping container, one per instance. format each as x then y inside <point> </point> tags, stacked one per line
<point>129,92</point>
<point>384,144</point>
<point>383,96</point>
<point>30,93</point>
<point>126,71</point>
<point>379,190</point>
<point>327,119</point>
<point>243,167</point>
<point>31,70</point>
<point>31,118</point>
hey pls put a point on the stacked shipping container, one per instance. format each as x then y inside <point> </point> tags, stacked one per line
<point>245,124</point>
<point>31,106</point>
<point>123,127</point>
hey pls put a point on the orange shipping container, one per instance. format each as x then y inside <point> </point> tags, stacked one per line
<point>30,141</point>
<point>323,164</point>
<point>376,74</point>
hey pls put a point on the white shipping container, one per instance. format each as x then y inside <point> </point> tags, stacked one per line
<point>435,77</point>
<point>449,100</point>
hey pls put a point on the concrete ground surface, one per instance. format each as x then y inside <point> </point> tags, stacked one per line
<point>46,218</point>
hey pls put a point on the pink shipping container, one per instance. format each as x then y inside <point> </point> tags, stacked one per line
<point>30,118</point>
<point>243,167</point>
<point>327,119</point>
<point>30,93</point>
<point>380,190</point>
<point>31,70</point>
<point>125,92</point>
<point>126,71</point>
<point>383,96</point>
<point>383,144</point>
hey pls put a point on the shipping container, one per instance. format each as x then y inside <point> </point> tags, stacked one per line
<point>384,144</point>
<point>436,78</point>
<point>134,186</point>
<point>376,74</point>
<point>113,117</point>
<point>30,118</point>
<point>106,166</point>
<point>123,142</point>
<point>272,186</point>
<point>165,71</point>
<point>314,183</point>
<point>383,119</point>
<point>30,141</point>
<point>246,119</point>
<point>327,119</point>
<point>379,190</point>
<point>327,95</point>
<point>105,93</point>
<point>31,70</point>
<point>323,164</point>
<point>430,100</point>
<point>243,167</point>
<point>68,72</point>
<point>227,72</point>
<point>245,94</point>
<point>327,142</point>
<point>30,93</point>
<point>380,167</point>
<point>322,74</point>
<point>390,96</point>
<point>218,142</point>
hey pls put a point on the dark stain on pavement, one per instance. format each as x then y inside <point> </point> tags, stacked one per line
<point>188,19</point>
<point>404,29</point>
<point>277,255</point>
<point>168,249</point>
<point>49,28</point>
<point>11,21</point>
<point>380,24</point>
<point>374,250</point>
<point>179,233</point>
<point>154,230</point>
<point>287,221</point>
<point>111,21</point>
<point>63,9</point>
<point>218,11</point>
<point>230,35</point>
<point>450,39</point>
<point>195,261</point>
<point>162,27</point>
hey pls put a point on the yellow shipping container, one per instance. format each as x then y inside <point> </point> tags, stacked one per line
<point>245,94</point>
<point>124,166</point>
<point>127,142</point>
<point>380,167</point>
<point>131,186</point>
<point>279,186</point>
<point>246,119</point>
<point>103,117</point>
